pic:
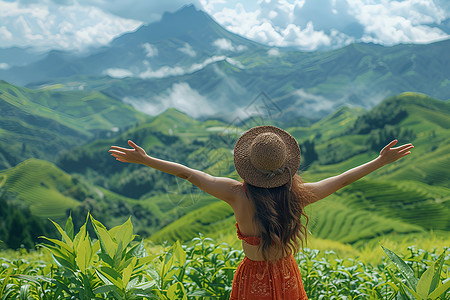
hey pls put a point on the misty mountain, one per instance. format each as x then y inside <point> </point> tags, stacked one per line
<point>188,61</point>
<point>17,56</point>
<point>182,38</point>
<point>291,84</point>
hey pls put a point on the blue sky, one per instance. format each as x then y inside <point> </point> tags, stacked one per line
<point>304,24</point>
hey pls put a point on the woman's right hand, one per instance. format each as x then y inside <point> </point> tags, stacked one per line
<point>136,155</point>
<point>389,154</point>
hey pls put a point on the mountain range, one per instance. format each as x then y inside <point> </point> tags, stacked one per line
<point>186,60</point>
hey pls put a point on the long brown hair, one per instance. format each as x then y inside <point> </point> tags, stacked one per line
<point>278,214</point>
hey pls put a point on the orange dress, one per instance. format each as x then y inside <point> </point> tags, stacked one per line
<point>267,280</point>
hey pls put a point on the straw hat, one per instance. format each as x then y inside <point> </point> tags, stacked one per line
<point>266,156</point>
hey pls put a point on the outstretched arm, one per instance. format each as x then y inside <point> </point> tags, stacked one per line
<point>219,187</point>
<point>326,187</point>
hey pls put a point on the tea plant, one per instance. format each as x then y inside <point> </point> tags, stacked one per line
<point>429,286</point>
<point>115,266</point>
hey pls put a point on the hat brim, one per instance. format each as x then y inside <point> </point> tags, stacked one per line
<point>249,173</point>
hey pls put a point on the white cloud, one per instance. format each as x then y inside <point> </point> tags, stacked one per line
<point>49,26</point>
<point>150,50</point>
<point>163,72</point>
<point>312,103</point>
<point>393,22</point>
<point>209,5</point>
<point>260,26</point>
<point>5,34</point>
<point>273,52</point>
<point>237,19</point>
<point>317,24</point>
<point>167,71</point>
<point>4,66</point>
<point>227,45</point>
<point>234,62</point>
<point>187,49</point>
<point>224,44</point>
<point>307,39</point>
<point>240,48</point>
<point>118,73</point>
<point>180,96</point>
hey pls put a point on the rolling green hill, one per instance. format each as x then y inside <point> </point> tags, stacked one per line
<point>40,124</point>
<point>411,196</point>
<point>49,192</point>
<point>44,188</point>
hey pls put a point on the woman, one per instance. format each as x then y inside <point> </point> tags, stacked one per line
<point>268,205</point>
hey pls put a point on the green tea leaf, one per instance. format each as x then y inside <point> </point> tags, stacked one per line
<point>80,235</point>
<point>105,258</point>
<point>440,290</point>
<point>222,269</point>
<point>176,292</point>
<point>60,244</point>
<point>84,254</point>
<point>96,223</point>
<point>423,287</point>
<point>63,234</point>
<point>69,227</point>
<point>63,261</point>
<point>437,272</point>
<point>179,254</point>
<point>118,255</point>
<point>65,258</point>
<point>106,243</point>
<point>145,260</point>
<point>105,289</point>
<point>96,247</point>
<point>200,293</point>
<point>123,233</point>
<point>139,250</point>
<point>404,269</point>
<point>152,274</point>
<point>126,274</point>
<point>112,276</point>
<point>413,293</point>
<point>103,278</point>
<point>124,263</point>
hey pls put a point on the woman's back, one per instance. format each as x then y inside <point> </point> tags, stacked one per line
<point>276,276</point>
<point>244,211</point>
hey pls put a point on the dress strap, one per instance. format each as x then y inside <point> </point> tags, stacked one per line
<point>252,240</point>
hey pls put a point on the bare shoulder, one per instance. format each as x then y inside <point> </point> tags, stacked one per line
<point>224,188</point>
<point>238,192</point>
<point>310,186</point>
<point>312,191</point>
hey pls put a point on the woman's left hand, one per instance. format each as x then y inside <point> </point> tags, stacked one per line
<point>389,154</point>
<point>136,155</point>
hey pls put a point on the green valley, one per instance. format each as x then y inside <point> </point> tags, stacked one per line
<point>409,197</point>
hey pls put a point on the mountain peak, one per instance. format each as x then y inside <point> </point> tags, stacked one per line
<point>188,9</point>
<point>188,14</point>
